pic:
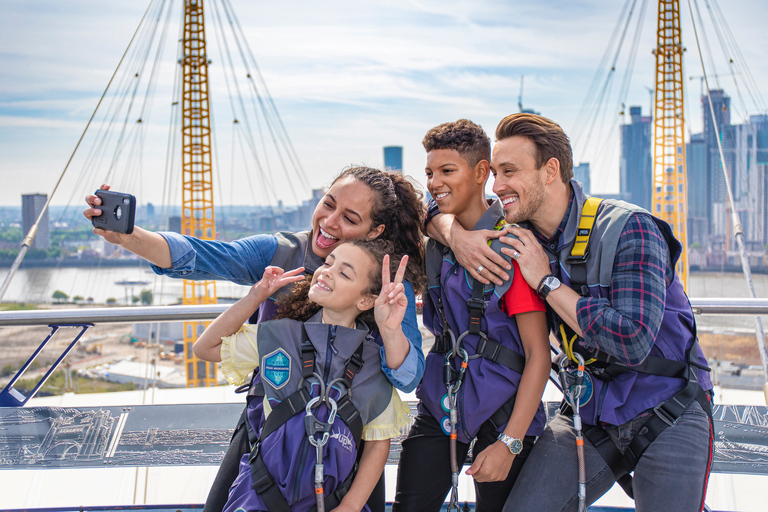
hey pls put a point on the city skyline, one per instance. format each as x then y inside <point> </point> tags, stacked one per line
<point>347,81</point>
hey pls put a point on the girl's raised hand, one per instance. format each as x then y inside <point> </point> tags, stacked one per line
<point>390,305</point>
<point>275,278</point>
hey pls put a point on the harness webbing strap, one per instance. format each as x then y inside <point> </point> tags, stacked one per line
<point>587,221</point>
<point>666,414</point>
<point>500,354</point>
<point>476,306</point>
<point>285,410</point>
<point>500,417</point>
<point>265,486</point>
<point>353,366</point>
<point>579,252</point>
<point>307,355</point>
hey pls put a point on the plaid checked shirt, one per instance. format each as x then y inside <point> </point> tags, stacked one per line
<point>625,324</point>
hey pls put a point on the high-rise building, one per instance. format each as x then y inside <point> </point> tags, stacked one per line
<point>581,174</point>
<point>748,178</point>
<point>393,158</point>
<point>636,178</point>
<point>716,190</point>
<point>698,186</point>
<point>31,206</point>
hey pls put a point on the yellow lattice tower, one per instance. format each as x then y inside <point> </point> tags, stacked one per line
<point>197,195</point>
<point>670,189</point>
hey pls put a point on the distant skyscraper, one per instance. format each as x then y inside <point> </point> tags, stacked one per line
<point>31,206</point>
<point>636,179</point>
<point>174,223</point>
<point>393,158</point>
<point>716,191</point>
<point>581,173</point>
<point>750,145</point>
<point>698,185</point>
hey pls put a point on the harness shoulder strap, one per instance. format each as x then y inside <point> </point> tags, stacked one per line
<point>579,251</point>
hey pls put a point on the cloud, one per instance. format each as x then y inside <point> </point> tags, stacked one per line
<point>348,77</point>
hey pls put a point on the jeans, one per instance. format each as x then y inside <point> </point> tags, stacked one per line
<point>424,471</point>
<point>672,474</point>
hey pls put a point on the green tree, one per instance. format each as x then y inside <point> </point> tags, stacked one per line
<point>146,297</point>
<point>111,301</point>
<point>135,299</point>
<point>60,296</point>
<point>77,298</point>
<point>7,370</point>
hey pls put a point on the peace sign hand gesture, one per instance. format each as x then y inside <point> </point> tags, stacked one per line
<point>390,305</point>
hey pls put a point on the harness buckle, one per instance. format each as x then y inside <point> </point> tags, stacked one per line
<point>576,259</point>
<point>476,305</point>
<point>664,415</point>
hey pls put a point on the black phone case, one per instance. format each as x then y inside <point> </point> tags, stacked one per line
<point>118,211</point>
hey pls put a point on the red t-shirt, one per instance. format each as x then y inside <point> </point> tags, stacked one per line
<point>520,298</point>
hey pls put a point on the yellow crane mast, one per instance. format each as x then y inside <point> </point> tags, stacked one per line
<point>670,189</point>
<point>197,217</point>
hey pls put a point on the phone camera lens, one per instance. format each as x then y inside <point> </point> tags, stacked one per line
<point>119,212</point>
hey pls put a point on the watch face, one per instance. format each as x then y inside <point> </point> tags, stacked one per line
<point>515,446</point>
<point>552,282</point>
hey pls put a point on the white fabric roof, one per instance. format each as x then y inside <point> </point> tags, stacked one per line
<point>177,485</point>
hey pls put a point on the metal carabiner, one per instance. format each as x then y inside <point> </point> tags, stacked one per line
<point>314,426</point>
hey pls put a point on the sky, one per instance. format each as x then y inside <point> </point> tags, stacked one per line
<point>347,78</point>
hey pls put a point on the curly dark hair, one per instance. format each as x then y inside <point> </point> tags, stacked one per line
<point>464,136</point>
<point>548,137</point>
<point>399,205</point>
<point>297,305</point>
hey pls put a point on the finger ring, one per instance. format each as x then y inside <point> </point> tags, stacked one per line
<point>515,254</point>
<point>480,269</point>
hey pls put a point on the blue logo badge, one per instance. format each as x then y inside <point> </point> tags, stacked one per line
<point>276,368</point>
<point>445,424</point>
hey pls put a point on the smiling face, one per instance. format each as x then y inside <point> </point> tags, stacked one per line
<point>519,184</point>
<point>456,187</point>
<point>344,213</point>
<point>341,284</point>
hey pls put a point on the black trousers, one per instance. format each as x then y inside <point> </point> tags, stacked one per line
<point>424,472</point>
<point>230,466</point>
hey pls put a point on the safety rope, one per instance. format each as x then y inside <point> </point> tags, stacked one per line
<point>453,381</point>
<point>314,426</point>
<point>572,391</point>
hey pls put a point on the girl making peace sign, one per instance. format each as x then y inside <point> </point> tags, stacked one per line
<point>319,359</point>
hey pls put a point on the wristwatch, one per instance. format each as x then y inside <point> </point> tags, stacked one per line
<point>549,283</point>
<point>514,444</point>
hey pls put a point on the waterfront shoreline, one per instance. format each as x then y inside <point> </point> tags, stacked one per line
<point>91,263</point>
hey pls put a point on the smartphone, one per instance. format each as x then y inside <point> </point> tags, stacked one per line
<point>118,211</point>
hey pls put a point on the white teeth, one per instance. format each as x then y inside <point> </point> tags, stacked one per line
<point>322,285</point>
<point>440,196</point>
<point>508,200</point>
<point>327,235</point>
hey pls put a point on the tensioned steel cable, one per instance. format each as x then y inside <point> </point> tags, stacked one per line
<point>223,45</point>
<point>270,100</point>
<point>33,230</point>
<point>738,232</point>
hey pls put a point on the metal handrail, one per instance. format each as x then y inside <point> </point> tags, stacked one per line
<point>143,314</point>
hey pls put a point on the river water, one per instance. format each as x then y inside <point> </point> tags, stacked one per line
<point>37,285</point>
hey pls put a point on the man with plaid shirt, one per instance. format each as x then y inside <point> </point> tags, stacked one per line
<point>622,308</point>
